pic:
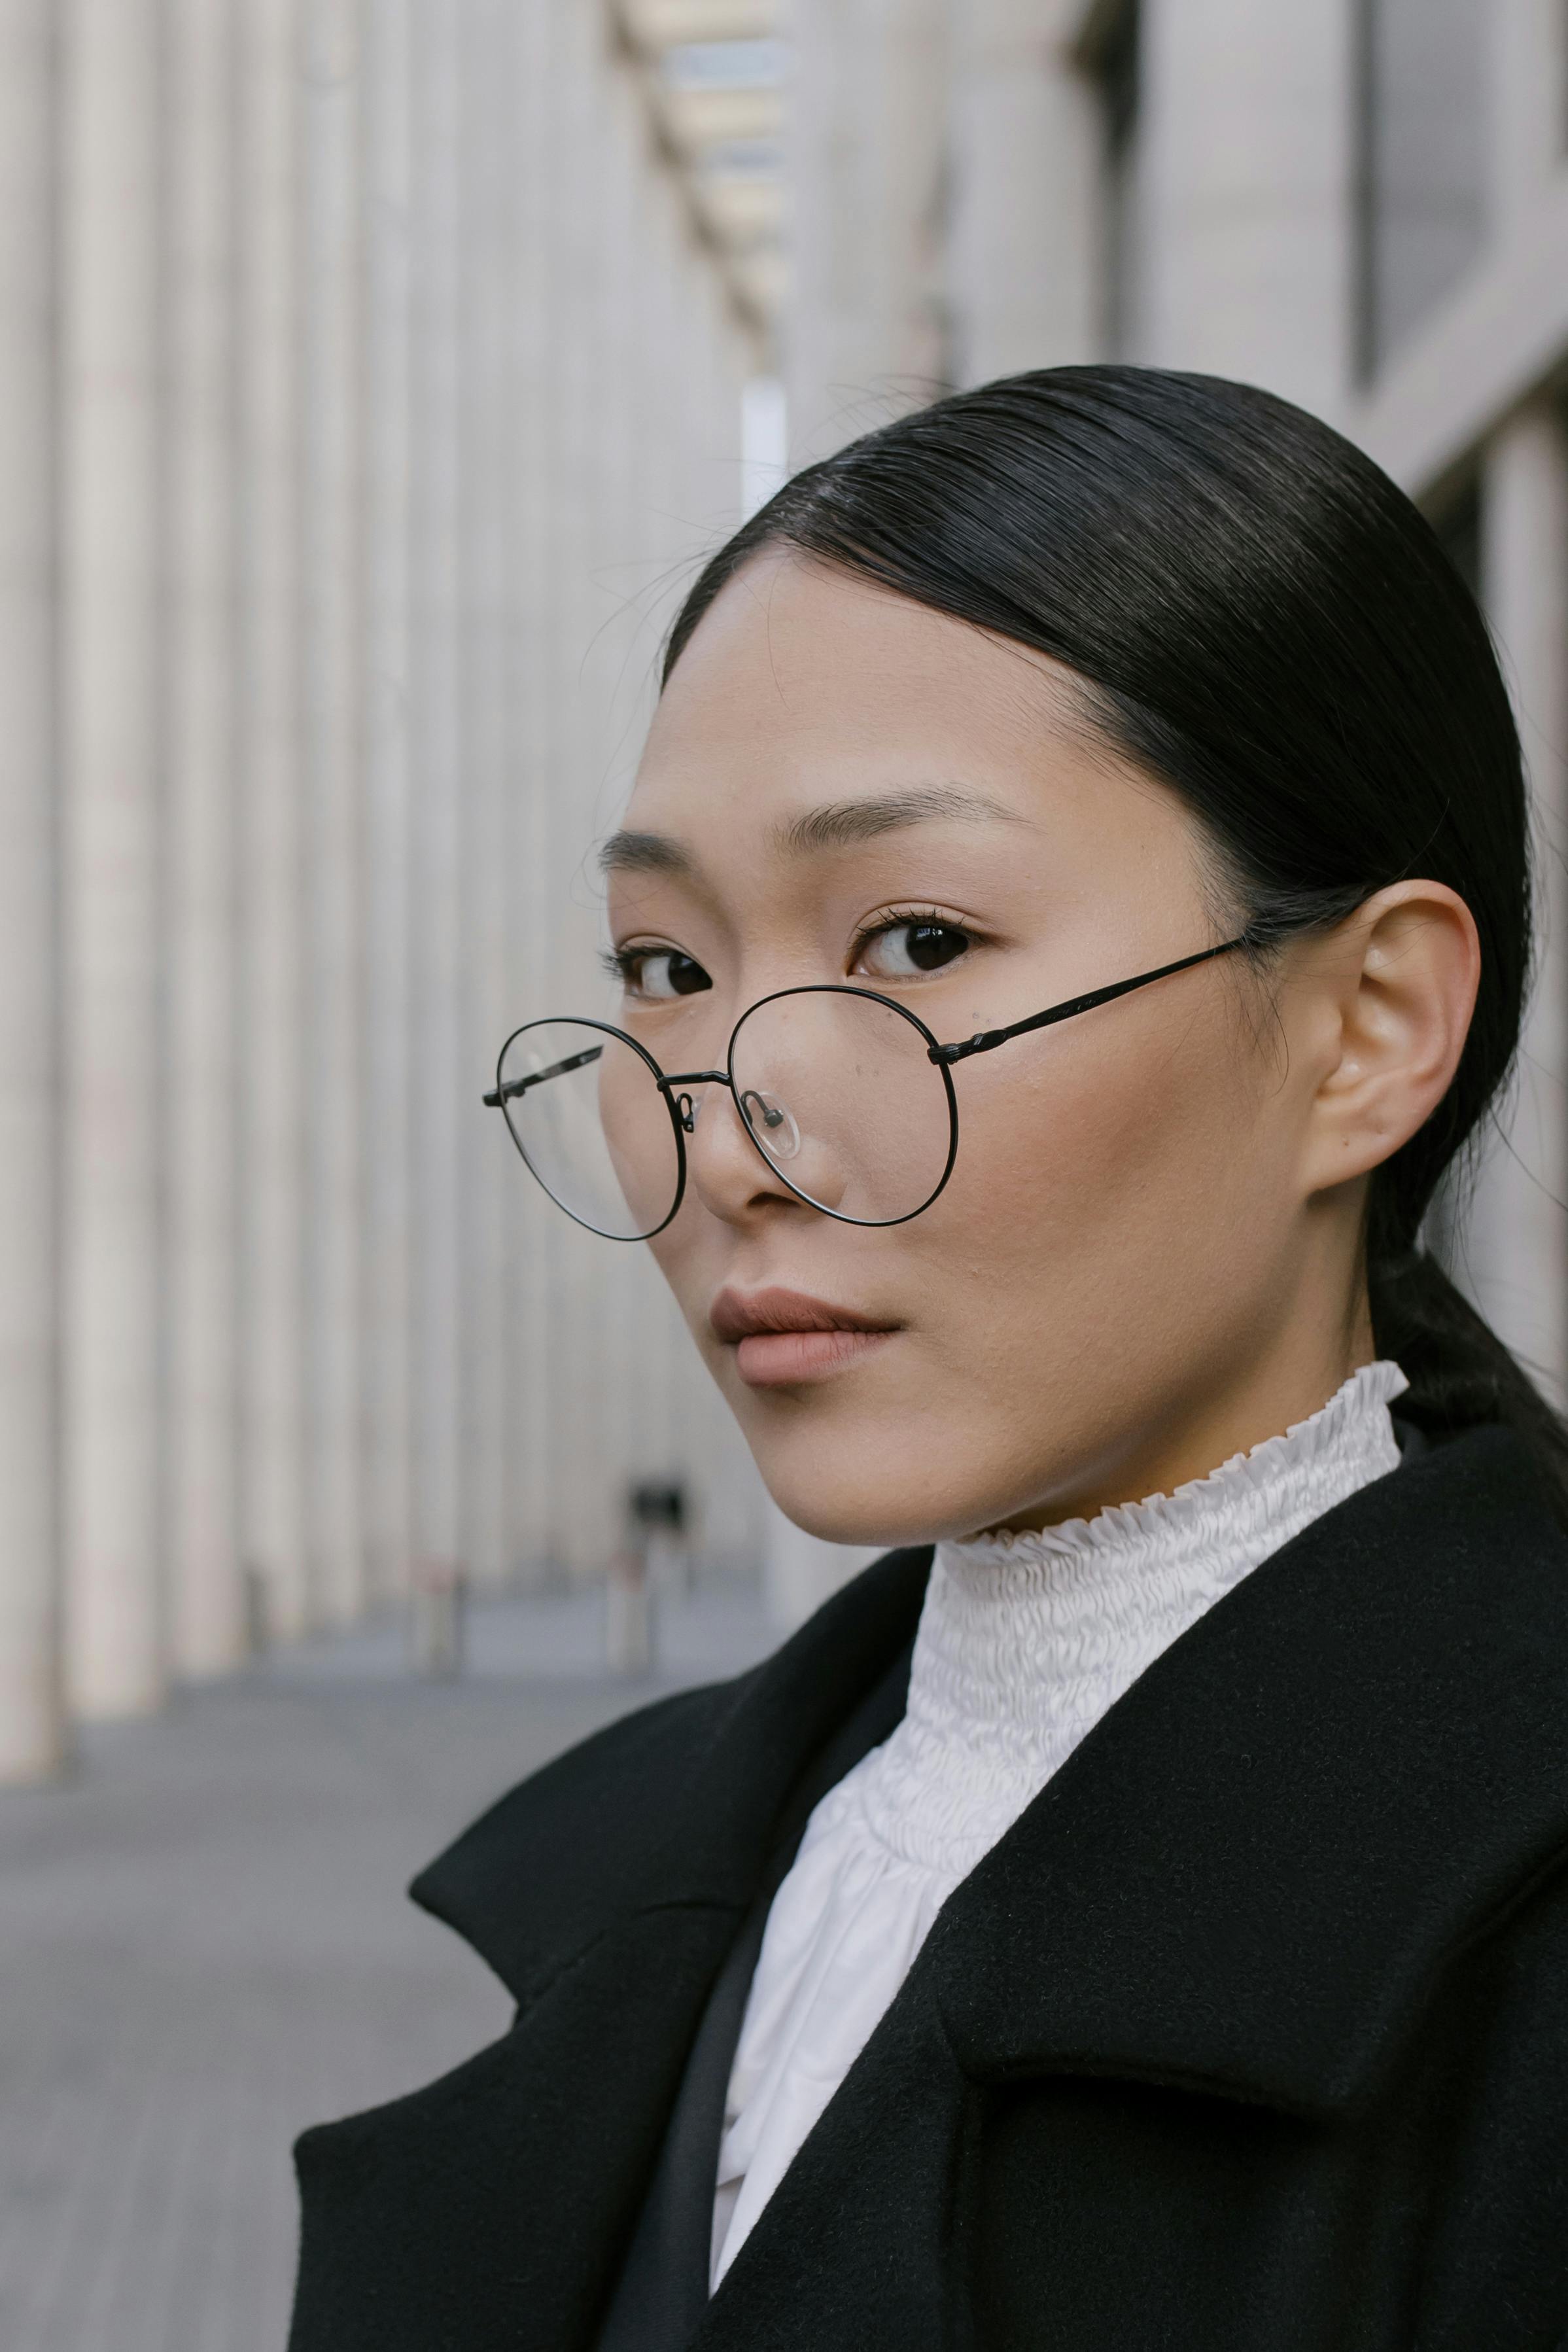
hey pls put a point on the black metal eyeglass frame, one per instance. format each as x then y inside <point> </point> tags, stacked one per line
<point>682,1111</point>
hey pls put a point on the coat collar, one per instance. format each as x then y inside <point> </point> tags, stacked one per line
<point>1249,1873</point>
<point>678,1805</point>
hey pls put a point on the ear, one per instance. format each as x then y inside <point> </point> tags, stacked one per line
<point>1399,979</point>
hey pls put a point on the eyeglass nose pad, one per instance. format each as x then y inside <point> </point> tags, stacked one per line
<point>687,1109</point>
<point>772,1123</point>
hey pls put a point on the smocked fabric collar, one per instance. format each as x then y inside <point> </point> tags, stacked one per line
<point>1026,1640</point>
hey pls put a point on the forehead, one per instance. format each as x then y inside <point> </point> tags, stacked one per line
<point>799,671</point>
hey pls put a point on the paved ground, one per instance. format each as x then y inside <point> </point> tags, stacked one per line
<point>205,1945</point>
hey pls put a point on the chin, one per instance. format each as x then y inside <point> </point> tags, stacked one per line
<point>840,1499</point>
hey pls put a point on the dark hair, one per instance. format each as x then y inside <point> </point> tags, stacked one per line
<point>1258,616</point>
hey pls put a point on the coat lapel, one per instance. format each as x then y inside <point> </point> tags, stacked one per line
<point>606,1893</point>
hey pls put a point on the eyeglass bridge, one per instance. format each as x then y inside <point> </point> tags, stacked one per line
<point>772,1113</point>
<point>685,1108</point>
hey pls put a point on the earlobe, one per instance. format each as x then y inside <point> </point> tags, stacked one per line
<point>1405,969</point>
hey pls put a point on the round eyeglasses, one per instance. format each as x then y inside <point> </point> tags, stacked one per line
<point>846,1095</point>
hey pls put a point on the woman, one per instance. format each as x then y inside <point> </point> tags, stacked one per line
<point>1072,910</point>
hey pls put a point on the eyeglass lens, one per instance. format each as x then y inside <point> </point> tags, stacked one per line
<point>839,1093</point>
<point>587,1114</point>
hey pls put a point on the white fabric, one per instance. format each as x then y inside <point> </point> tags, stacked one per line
<point>1024,1643</point>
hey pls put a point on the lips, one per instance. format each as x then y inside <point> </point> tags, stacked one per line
<point>781,1337</point>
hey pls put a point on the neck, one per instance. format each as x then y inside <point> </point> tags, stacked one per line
<point>1287,1376</point>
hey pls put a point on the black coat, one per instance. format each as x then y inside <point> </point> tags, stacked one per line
<point>1253,2030</point>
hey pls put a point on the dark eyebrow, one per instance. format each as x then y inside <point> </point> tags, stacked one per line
<point>840,824</point>
<point>643,853</point>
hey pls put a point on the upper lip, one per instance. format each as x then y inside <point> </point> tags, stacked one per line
<point>736,1315</point>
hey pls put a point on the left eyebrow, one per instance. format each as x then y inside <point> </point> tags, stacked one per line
<point>643,853</point>
<point>840,824</point>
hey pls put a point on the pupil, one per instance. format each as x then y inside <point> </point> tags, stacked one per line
<point>931,945</point>
<point>687,975</point>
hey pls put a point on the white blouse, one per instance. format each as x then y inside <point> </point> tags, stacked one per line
<point>1024,1643</point>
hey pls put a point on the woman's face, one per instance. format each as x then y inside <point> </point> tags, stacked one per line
<point>840,785</point>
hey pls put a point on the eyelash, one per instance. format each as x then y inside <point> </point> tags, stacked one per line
<point>621,963</point>
<point>897,918</point>
<point>626,965</point>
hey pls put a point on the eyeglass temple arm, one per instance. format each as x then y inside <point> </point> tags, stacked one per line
<point>537,1077</point>
<point>986,1038</point>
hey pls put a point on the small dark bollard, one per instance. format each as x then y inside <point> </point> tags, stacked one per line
<point>256,1598</point>
<point>439,1595</point>
<point>628,1616</point>
<point>656,1525</point>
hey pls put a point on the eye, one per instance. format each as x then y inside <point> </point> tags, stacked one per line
<point>904,949</point>
<point>658,974</point>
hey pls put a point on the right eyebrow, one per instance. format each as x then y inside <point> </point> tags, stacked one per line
<point>643,853</point>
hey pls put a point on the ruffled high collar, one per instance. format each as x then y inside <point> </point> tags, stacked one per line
<point>1025,1641</point>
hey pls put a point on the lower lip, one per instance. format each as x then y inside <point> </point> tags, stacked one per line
<point>777,1359</point>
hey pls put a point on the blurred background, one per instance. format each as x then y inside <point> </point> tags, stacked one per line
<point>374,375</point>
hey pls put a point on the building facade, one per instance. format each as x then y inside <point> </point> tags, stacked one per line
<point>370,378</point>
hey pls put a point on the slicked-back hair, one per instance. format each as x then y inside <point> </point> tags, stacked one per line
<point>1259,618</point>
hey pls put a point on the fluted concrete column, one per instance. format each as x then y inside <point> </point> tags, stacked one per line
<point>867,136</point>
<point>1525,87</point>
<point>207,1610</point>
<point>1024,240</point>
<point>110,739</point>
<point>1244,206</point>
<point>613,708</point>
<point>271,768</point>
<point>31,1733</point>
<point>334,749</point>
<point>1514,1252</point>
<point>488,427</point>
<point>571,1303</point>
<point>531,806</point>
<point>390,880</point>
<point>437,751</point>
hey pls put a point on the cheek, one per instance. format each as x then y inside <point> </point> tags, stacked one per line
<point>1102,1168</point>
<point>694,1259</point>
<point>673,1253</point>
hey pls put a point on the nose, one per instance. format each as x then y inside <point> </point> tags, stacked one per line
<point>765,1130</point>
<point>724,1168</point>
